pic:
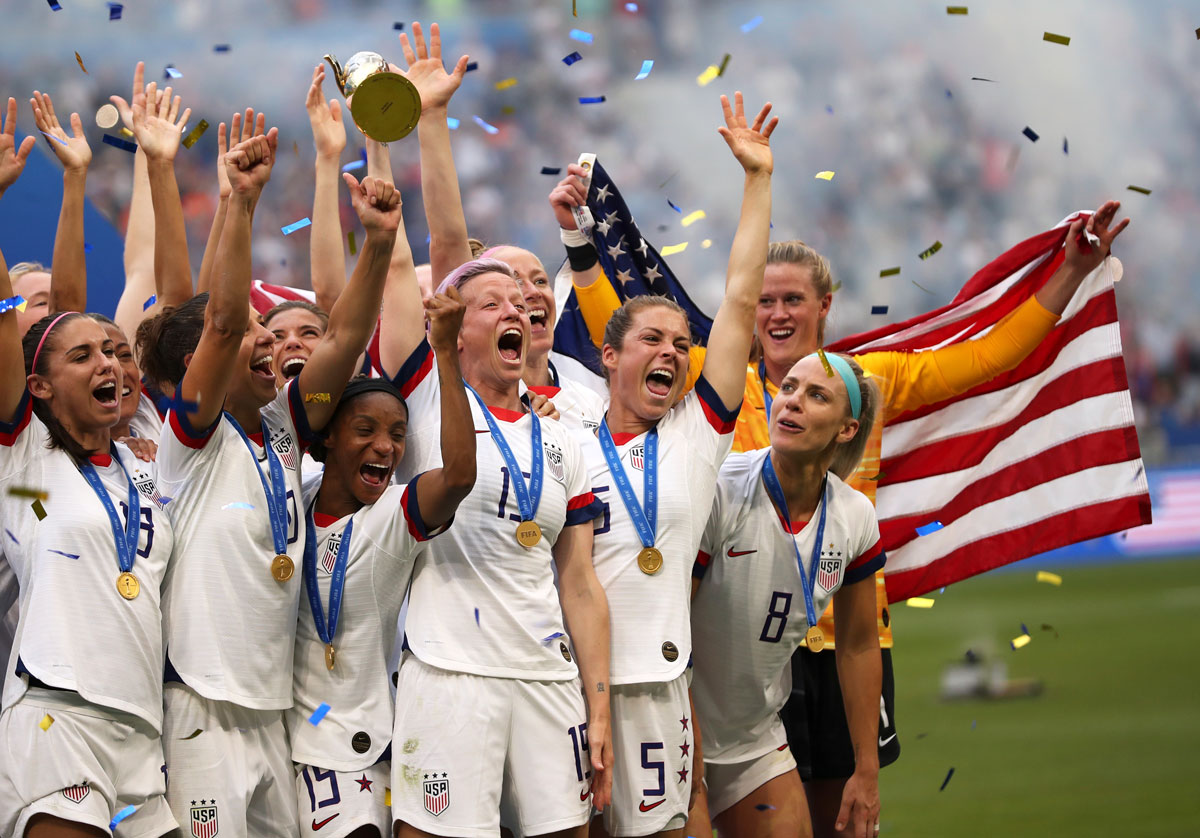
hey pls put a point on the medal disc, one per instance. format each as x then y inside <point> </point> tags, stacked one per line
<point>128,585</point>
<point>282,568</point>
<point>815,639</point>
<point>528,533</point>
<point>650,561</point>
<point>330,656</point>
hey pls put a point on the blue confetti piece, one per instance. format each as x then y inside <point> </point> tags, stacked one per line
<point>762,807</point>
<point>117,142</point>
<point>318,714</point>
<point>476,616</point>
<point>297,225</point>
<point>949,774</point>
<point>949,95</point>
<point>491,129</point>
<point>172,73</point>
<point>114,13</point>
<point>1031,134</point>
<point>647,66</point>
<point>238,505</point>
<point>581,36</point>
<point>153,299</point>
<point>572,58</point>
<point>220,47</point>
<point>591,100</point>
<point>398,26</point>
<point>165,501</point>
<point>554,636</point>
<point>932,526</point>
<point>551,170</point>
<point>474,65</point>
<point>671,204</point>
<point>56,139</point>
<point>54,5</point>
<point>752,23</point>
<point>120,816</point>
<point>1065,146</point>
<point>61,553</point>
<point>354,165</point>
<point>10,535</point>
<point>1023,629</point>
<point>452,122</point>
<point>631,7</point>
<point>879,309</point>
<point>87,247</point>
<point>11,303</point>
<point>829,109</point>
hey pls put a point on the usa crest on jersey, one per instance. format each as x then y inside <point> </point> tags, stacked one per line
<point>329,557</point>
<point>145,484</point>
<point>637,456</point>
<point>829,569</point>
<point>554,460</point>
<point>204,819</point>
<point>286,448</point>
<point>437,794</point>
<point>76,793</point>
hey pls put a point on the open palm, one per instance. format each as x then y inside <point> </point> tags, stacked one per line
<point>12,157</point>
<point>154,120</point>
<point>72,151</point>
<point>329,132</point>
<point>750,144</point>
<point>425,68</point>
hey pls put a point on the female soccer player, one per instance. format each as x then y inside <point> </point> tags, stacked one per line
<point>363,535</point>
<point>644,545</point>
<point>86,535</point>
<point>232,591</point>
<point>785,534</point>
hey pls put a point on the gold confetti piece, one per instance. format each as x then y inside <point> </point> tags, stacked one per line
<point>825,362</point>
<point>506,84</point>
<point>80,61</point>
<point>107,116</point>
<point>195,134</point>
<point>706,244</point>
<point>323,398</point>
<point>724,64</point>
<point>46,721</point>
<point>672,249</point>
<point>125,132</point>
<point>1023,640</point>
<point>837,286</point>
<point>353,244</point>
<point>919,602</point>
<point>823,176</point>
<point>508,110</point>
<point>956,10</point>
<point>296,147</point>
<point>387,797</point>
<point>1065,40</point>
<point>889,271</point>
<point>23,492</point>
<point>708,75</point>
<point>574,13</point>
<point>1046,576</point>
<point>1141,189</point>
<point>39,510</point>
<point>192,735</point>
<point>692,218</point>
<point>929,251</point>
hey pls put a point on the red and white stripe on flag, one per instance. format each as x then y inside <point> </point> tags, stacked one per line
<point>1042,456</point>
<point>265,297</point>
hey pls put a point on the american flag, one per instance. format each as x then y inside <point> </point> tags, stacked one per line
<point>1039,457</point>
<point>632,264</point>
<point>1176,527</point>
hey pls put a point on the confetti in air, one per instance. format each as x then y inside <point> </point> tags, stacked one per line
<point>889,272</point>
<point>572,58</point>
<point>919,602</point>
<point>823,176</point>
<point>114,11</point>
<point>353,243</point>
<point>171,72</point>
<point>1051,578</point>
<point>692,218</point>
<point>752,23</point>
<point>551,170</point>
<point>1020,641</point>
<point>672,249</point>
<point>195,134</point>
<point>591,100</point>
<point>647,66</point>
<point>1031,134</point>
<point>879,309</point>
<point>932,526</point>
<point>946,781</point>
<point>491,129</point>
<point>1065,40</point>
<point>929,251</point>
<point>117,142</point>
<point>39,510</point>
<point>318,714</point>
<point>297,225</point>
<point>581,36</point>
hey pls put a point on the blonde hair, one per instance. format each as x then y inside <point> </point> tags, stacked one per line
<point>796,252</point>
<point>21,268</point>
<point>848,454</point>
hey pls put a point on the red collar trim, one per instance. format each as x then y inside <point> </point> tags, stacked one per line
<point>256,438</point>
<point>623,439</point>
<point>322,520</point>
<point>102,460</point>
<point>504,414</point>
<point>795,527</point>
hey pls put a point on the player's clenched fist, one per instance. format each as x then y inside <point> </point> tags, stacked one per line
<point>248,164</point>
<point>445,312</point>
<point>377,203</point>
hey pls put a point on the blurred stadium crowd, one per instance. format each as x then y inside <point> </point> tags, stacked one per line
<point>882,95</point>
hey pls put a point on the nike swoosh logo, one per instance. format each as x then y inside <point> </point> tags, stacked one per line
<point>643,807</point>
<point>583,795</point>
<point>316,825</point>
<point>883,742</point>
<point>733,554</point>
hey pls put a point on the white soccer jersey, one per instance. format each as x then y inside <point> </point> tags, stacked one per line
<point>651,638</point>
<point>8,610</point>
<point>146,423</point>
<point>75,630</point>
<point>748,616</point>
<point>384,542</point>
<point>480,602</point>
<point>578,405</point>
<point>230,628</point>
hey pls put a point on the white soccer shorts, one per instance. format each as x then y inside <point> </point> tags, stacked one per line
<point>730,782</point>
<point>332,804</point>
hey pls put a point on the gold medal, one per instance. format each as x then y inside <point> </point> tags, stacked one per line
<point>650,561</point>
<point>330,656</point>
<point>815,639</point>
<point>528,533</point>
<point>128,585</point>
<point>282,568</point>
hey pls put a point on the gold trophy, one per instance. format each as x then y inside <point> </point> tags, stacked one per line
<point>384,105</point>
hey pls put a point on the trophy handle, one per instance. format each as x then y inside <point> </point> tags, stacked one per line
<point>338,75</point>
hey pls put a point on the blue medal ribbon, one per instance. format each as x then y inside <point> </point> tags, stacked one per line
<point>276,490</point>
<point>326,631</point>
<point>762,376</point>
<point>125,537</point>
<point>775,492</point>
<point>528,495</point>
<point>645,521</point>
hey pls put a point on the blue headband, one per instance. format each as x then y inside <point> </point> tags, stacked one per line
<point>848,378</point>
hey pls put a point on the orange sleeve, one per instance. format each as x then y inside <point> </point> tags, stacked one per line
<point>597,302</point>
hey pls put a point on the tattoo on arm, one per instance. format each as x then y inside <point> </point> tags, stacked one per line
<point>600,687</point>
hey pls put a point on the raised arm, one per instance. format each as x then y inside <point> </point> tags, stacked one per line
<point>139,252</point>
<point>440,491</point>
<point>68,272</point>
<point>325,245</point>
<point>227,314</point>
<point>352,320</point>
<point>223,192</point>
<point>12,373</point>
<point>448,247</point>
<point>733,327</point>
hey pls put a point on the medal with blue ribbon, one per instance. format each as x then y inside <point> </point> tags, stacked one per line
<point>645,514</point>
<point>282,566</point>
<point>337,583</point>
<point>528,495</point>
<point>126,536</point>
<point>814,637</point>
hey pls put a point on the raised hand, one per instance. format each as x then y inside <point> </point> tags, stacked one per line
<point>425,69</point>
<point>749,144</point>
<point>445,314</point>
<point>224,189</point>
<point>155,121</point>
<point>329,132</point>
<point>569,192</point>
<point>1084,256</point>
<point>248,164</point>
<point>377,203</point>
<point>12,158</point>
<point>72,151</point>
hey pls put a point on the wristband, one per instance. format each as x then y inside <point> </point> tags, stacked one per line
<point>573,238</point>
<point>582,258</point>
